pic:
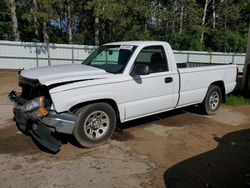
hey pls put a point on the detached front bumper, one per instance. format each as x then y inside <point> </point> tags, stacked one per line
<point>42,128</point>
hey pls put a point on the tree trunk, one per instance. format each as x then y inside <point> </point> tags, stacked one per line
<point>97,31</point>
<point>15,32</point>
<point>246,73</point>
<point>110,31</point>
<point>225,20</point>
<point>204,20</point>
<point>46,40</point>
<point>214,14</point>
<point>181,18</point>
<point>34,10</point>
<point>69,22</point>
<point>61,14</point>
<point>45,33</point>
<point>173,26</point>
<point>145,27</point>
<point>174,10</point>
<point>205,12</point>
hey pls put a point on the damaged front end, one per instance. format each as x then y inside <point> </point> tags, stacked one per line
<point>33,114</point>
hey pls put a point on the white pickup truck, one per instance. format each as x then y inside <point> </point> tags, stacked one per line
<point>118,82</point>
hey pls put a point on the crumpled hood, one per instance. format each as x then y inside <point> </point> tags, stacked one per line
<point>64,73</point>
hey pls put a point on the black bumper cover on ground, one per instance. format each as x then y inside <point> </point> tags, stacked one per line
<point>43,135</point>
<point>40,132</point>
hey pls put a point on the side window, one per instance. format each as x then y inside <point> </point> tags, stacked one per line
<point>154,57</point>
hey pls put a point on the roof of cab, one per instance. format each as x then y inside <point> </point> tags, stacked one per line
<point>137,43</point>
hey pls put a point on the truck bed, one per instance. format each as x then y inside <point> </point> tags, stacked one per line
<point>195,79</point>
<point>193,64</point>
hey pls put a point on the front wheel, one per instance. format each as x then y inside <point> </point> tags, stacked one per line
<point>95,124</point>
<point>212,101</point>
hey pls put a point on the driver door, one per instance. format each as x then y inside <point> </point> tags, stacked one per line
<point>151,93</point>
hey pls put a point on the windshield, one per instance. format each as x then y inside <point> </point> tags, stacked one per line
<point>111,58</point>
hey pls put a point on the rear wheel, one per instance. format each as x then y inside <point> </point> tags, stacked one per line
<point>212,101</point>
<point>95,124</point>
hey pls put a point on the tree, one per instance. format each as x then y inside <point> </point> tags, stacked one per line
<point>68,6</point>
<point>15,32</point>
<point>119,20</point>
<point>5,21</point>
<point>41,13</point>
<point>214,14</point>
<point>212,25</point>
<point>34,11</point>
<point>204,20</point>
<point>246,73</point>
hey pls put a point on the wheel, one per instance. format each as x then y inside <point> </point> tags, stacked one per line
<point>95,124</point>
<point>212,101</point>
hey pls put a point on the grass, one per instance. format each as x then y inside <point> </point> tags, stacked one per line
<point>237,100</point>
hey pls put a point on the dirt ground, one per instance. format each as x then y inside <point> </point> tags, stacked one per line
<point>181,148</point>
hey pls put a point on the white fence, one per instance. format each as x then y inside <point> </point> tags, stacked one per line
<point>19,55</point>
<point>211,57</point>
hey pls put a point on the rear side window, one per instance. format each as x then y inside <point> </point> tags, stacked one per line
<point>155,57</point>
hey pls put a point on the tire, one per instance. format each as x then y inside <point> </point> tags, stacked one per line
<point>95,124</point>
<point>212,101</point>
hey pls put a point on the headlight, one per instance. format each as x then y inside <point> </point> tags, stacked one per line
<point>32,105</point>
<point>36,107</point>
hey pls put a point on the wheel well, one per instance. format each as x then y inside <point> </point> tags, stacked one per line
<point>111,102</point>
<point>221,85</point>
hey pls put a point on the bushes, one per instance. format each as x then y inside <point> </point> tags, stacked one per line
<point>225,41</point>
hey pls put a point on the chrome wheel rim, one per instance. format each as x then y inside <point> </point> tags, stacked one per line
<point>214,100</point>
<point>96,125</point>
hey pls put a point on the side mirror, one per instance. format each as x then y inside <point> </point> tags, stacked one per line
<point>141,69</point>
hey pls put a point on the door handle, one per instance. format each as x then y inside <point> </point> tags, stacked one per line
<point>168,80</point>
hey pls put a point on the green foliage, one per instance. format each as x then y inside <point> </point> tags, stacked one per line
<point>184,41</point>
<point>121,20</point>
<point>5,21</point>
<point>177,21</point>
<point>226,41</point>
<point>236,100</point>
